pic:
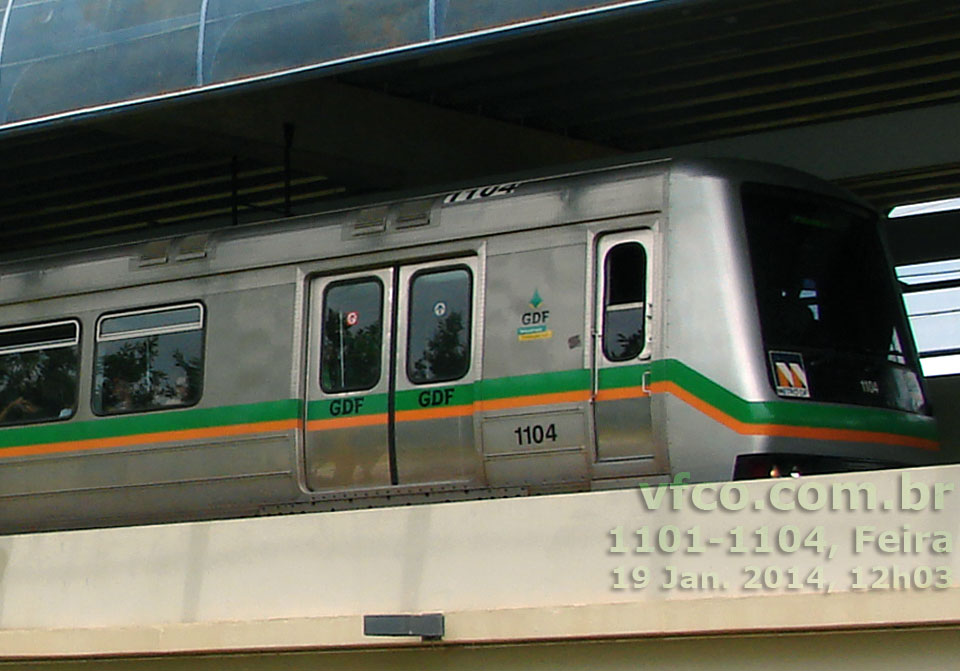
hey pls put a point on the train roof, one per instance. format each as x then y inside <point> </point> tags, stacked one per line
<point>163,256</point>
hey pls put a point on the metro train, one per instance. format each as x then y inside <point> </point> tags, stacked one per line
<point>601,328</point>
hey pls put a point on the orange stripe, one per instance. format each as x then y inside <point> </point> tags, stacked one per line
<point>621,393</point>
<point>748,429</point>
<point>714,413</point>
<point>445,412</point>
<point>151,438</point>
<point>346,422</point>
<point>440,412</point>
<point>536,399</point>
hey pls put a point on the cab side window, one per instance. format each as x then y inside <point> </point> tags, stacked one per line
<point>39,370</point>
<point>625,274</point>
<point>149,359</point>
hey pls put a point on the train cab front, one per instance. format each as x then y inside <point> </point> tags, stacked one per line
<point>841,364</point>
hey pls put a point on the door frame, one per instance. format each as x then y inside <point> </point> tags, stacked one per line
<point>394,277</point>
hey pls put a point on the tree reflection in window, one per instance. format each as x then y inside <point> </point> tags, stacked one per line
<point>438,344</point>
<point>625,295</point>
<point>38,372</point>
<point>149,360</point>
<point>352,335</point>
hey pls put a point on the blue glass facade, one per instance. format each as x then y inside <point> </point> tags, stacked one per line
<point>58,56</point>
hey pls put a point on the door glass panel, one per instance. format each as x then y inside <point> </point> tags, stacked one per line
<point>624,295</point>
<point>352,336</point>
<point>438,343</point>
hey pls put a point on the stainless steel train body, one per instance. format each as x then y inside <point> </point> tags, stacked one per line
<point>590,330</point>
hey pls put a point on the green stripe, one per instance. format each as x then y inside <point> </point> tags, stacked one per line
<point>793,413</point>
<point>155,422</point>
<point>534,385</point>
<point>371,404</point>
<point>411,399</point>
<point>435,397</point>
<point>622,376</point>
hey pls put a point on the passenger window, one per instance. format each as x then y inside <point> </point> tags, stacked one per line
<point>438,336</point>
<point>350,351</point>
<point>38,372</point>
<point>625,295</point>
<point>149,360</point>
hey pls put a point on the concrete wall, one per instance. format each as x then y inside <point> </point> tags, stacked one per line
<point>893,650</point>
<point>537,570</point>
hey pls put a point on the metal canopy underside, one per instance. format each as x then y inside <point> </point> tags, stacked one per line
<point>641,77</point>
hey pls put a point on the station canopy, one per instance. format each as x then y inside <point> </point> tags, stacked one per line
<point>63,56</point>
<point>135,116</point>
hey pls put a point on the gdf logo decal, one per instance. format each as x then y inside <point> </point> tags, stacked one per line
<point>790,377</point>
<point>534,322</point>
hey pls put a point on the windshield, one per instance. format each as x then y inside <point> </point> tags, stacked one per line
<point>829,308</point>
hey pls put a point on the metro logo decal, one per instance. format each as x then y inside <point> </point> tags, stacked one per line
<point>791,376</point>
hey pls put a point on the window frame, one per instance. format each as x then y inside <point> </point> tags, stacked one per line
<point>323,306</point>
<point>619,307</point>
<point>76,342</point>
<point>939,361</point>
<point>142,333</point>
<point>468,327</point>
